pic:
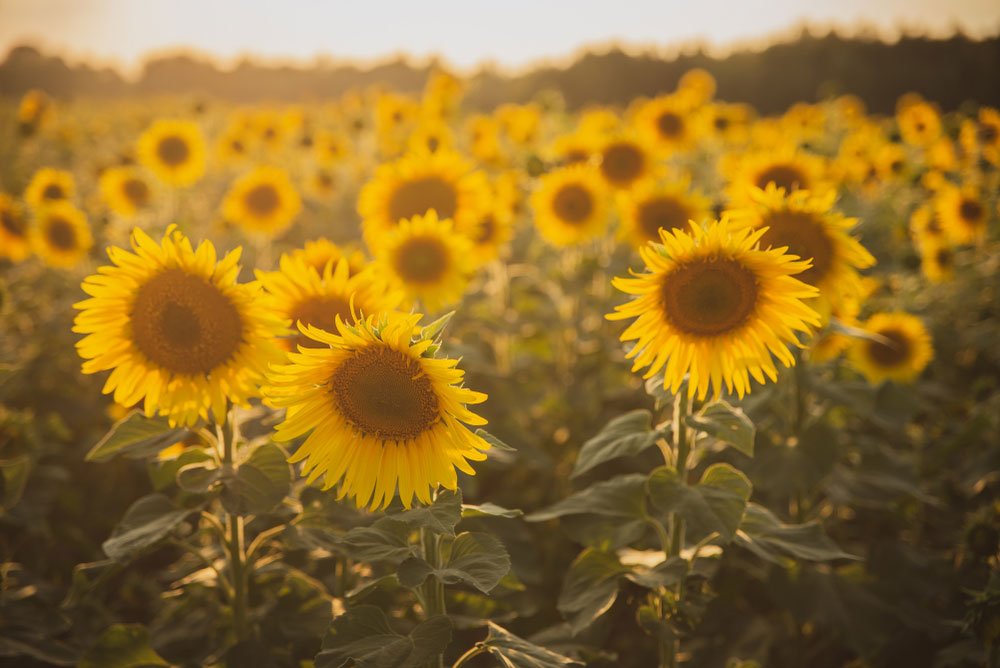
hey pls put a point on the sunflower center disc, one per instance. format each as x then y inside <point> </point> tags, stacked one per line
<point>320,312</point>
<point>53,191</point>
<point>173,151</point>
<point>665,212</point>
<point>621,163</point>
<point>890,355</point>
<point>11,222</point>
<point>185,324</point>
<point>61,234</point>
<point>262,200</point>
<point>573,204</point>
<point>970,210</point>
<point>136,191</point>
<point>805,237</point>
<point>788,177</point>
<point>669,124</point>
<point>384,393</point>
<point>709,297</point>
<point>421,260</point>
<point>417,197</point>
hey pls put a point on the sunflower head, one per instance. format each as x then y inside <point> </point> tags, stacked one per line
<point>175,329</point>
<point>125,191</point>
<point>263,201</point>
<point>14,242</point>
<point>381,412</point>
<point>919,122</point>
<point>624,161</point>
<point>174,151</point>
<point>898,350</point>
<point>318,253</point>
<point>60,235</point>
<point>652,206</point>
<point>715,307</point>
<point>784,167</point>
<point>667,123</point>
<point>570,206</point>
<point>49,186</point>
<point>963,213</point>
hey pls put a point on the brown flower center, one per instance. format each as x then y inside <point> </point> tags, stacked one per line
<point>573,204</point>
<point>184,323</point>
<point>61,234</point>
<point>622,163</point>
<point>804,236</point>
<point>322,312</point>
<point>417,197</point>
<point>893,353</point>
<point>384,393</point>
<point>136,191</point>
<point>262,200</point>
<point>670,125</point>
<point>662,211</point>
<point>53,191</point>
<point>11,221</point>
<point>173,151</point>
<point>785,176</point>
<point>709,297</point>
<point>422,260</point>
<point>970,210</point>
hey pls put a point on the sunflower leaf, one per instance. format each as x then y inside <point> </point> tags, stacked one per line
<point>440,517</point>
<point>362,637</point>
<point>727,424</point>
<point>624,436</point>
<point>476,559</point>
<point>716,503</point>
<point>590,587</point>
<point>489,509</point>
<point>259,484</point>
<point>122,646</point>
<point>494,441</point>
<point>516,652</point>
<point>385,540</point>
<point>623,497</point>
<point>136,436</point>
<point>770,539</point>
<point>146,522</point>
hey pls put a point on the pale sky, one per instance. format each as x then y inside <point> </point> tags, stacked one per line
<point>465,33</point>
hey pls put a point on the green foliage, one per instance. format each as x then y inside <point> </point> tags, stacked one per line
<point>624,436</point>
<point>122,646</point>
<point>363,637</point>
<point>714,505</point>
<point>148,521</point>
<point>136,436</point>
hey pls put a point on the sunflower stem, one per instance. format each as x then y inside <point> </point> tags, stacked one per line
<point>433,589</point>
<point>235,549</point>
<point>669,645</point>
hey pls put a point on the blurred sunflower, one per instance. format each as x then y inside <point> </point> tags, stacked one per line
<point>919,123</point>
<point>431,136</point>
<point>322,184</point>
<point>176,329</point>
<point>60,235</point>
<point>14,240</point>
<point>49,185</point>
<point>302,294</point>
<point>491,235</point>
<point>330,147</point>
<point>786,167</point>
<point>962,212</point>
<point>125,190</point>
<point>982,135</point>
<point>651,206</point>
<point>807,226</point>
<point>697,85</point>
<point>572,149</point>
<point>444,182</point>
<point>428,259</point>
<point>667,123</point>
<point>714,307</point>
<point>380,411</point>
<point>318,253</point>
<point>624,161</point>
<point>937,261</point>
<point>901,354</point>
<point>34,110</point>
<point>262,201</point>
<point>570,206</point>
<point>925,226</point>
<point>174,151</point>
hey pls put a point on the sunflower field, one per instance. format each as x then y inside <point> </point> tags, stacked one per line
<point>389,382</point>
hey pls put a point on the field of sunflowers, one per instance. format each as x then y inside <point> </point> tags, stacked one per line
<point>385,382</point>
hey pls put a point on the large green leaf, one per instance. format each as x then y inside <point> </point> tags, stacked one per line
<point>625,435</point>
<point>146,522</point>
<point>476,559</point>
<point>727,424</point>
<point>385,540</point>
<point>516,652</point>
<point>623,496</point>
<point>664,574</point>
<point>766,536</point>
<point>260,483</point>
<point>716,503</point>
<point>440,517</point>
<point>136,436</point>
<point>590,587</point>
<point>122,646</point>
<point>362,637</point>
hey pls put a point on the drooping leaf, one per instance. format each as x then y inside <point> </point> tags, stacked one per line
<point>385,540</point>
<point>122,646</point>
<point>362,637</point>
<point>146,522</point>
<point>727,424</point>
<point>716,503</point>
<point>136,436</point>
<point>623,496</point>
<point>625,435</point>
<point>440,517</point>
<point>766,536</point>
<point>476,559</point>
<point>260,483</point>
<point>490,510</point>
<point>590,587</point>
<point>516,652</point>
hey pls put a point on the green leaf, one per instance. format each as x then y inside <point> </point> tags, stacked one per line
<point>489,510</point>
<point>716,503</point>
<point>122,646</point>
<point>146,522</point>
<point>476,559</point>
<point>431,331</point>
<point>625,435</point>
<point>199,477</point>
<point>664,574</point>
<point>766,536</point>
<point>14,476</point>
<point>440,517</point>
<point>362,637</point>
<point>260,483</point>
<point>494,441</point>
<point>136,436</point>
<point>590,587</point>
<point>727,424</point>
<point>623,496</point>
<point>385,540</point>
<point>163,472</point>
<point>515,652</point>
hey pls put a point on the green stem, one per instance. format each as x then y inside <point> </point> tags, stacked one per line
<point>682,447</point>
<point>235,549</point>
<point>433,589</point>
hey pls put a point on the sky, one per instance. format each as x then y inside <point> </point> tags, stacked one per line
<point>511,34</point>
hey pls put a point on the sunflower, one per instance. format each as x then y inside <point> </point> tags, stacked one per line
<point>33,112</point>
<point>330,147</point>
<point>125,190</point>
<point>962,213</point>
<point>303,294</point>
<point>14,241</point>
<point>809,227</point>
<point>431,136</point>
<point>982,135</point>
<point>174,151</point>
<point>786,167</point>
<point>925,226</point>
<point>234,145</point>
<point>570,206</point>
<point>919,123</point>
<point>262,201</point>
<point>322,184</point>
<point>418,183</point>
<point>60,235</point>
<point>666,122</point>
<point>176,329</point>
<point>901,351</point>
<point>491,235</point>
<point>49,185</point>
<point>728,122</point>
<point>427,259</point>
<point>715,307</point>
<point>520,122</point>
<point>318,253</point>
<point>650,206</point>
<point>697,85</point>
<point>624,161</point>
<point>830,342</point>
<point>382,411</point>
<point>937,261</point>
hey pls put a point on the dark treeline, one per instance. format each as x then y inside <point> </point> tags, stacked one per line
<point>950,71</point>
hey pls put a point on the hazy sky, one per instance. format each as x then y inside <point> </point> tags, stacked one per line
<point>512,33</point>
